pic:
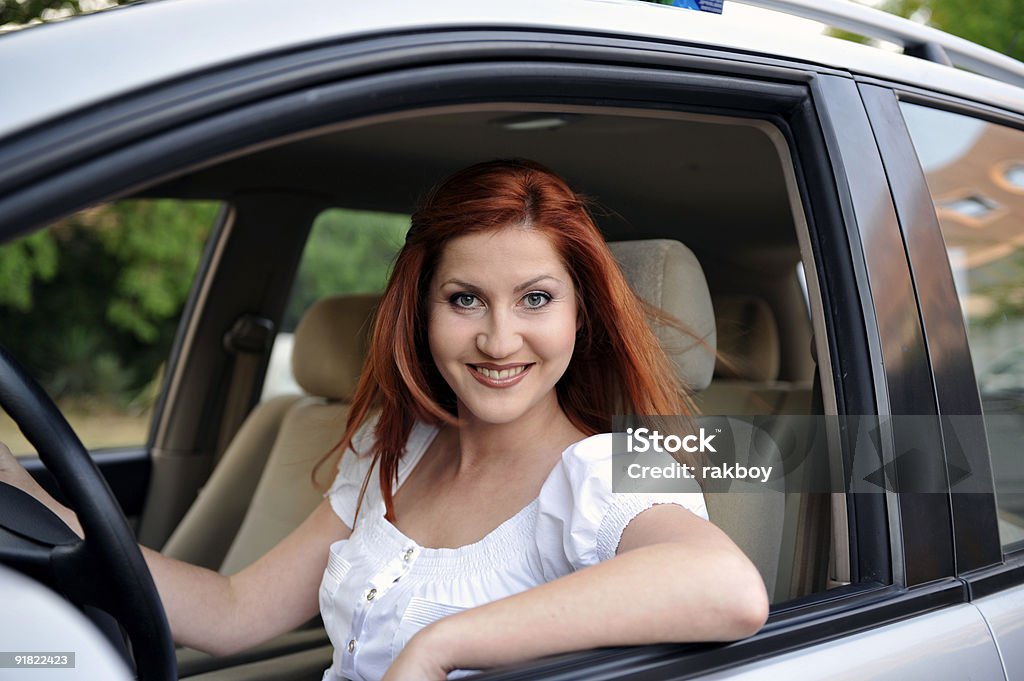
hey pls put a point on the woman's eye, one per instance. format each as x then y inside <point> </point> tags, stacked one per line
<point>464,300</point>
<point>536,299</point>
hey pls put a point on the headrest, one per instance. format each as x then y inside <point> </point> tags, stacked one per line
<point>331,343</point>
<point>666,274</point>
<point>748,339</point>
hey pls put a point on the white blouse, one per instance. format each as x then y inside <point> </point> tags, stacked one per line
<point>381,587</point>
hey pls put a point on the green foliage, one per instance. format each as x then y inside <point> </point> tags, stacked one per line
<point>847,35</point>
<point>996,24</point>
<point>91,305</point>
<point>158,244</point>
<point>347,252</point>
<point>98,308</point>
<point>21,263</point>
<point>19,12</point>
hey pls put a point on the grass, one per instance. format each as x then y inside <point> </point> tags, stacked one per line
<point>98,426</point>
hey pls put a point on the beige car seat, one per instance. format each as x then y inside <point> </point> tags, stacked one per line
<point>261,488</point>
<point>747,371</point>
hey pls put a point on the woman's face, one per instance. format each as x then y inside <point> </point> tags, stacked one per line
<point>502,323</point>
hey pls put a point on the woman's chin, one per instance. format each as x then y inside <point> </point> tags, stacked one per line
<point>494,415</point>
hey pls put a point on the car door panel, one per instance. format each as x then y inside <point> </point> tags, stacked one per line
<point>1002,614</point>
<point>953,643</point>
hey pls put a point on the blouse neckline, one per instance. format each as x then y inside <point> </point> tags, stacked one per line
<point>495,548</point>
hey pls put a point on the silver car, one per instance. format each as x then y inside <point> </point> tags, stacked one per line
<point>858,215</point>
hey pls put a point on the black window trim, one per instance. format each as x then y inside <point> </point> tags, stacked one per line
<point>974,512</point>
<point>989,568</point>
<point>924,543</point>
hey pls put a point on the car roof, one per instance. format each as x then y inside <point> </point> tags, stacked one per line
<point>145,44</point>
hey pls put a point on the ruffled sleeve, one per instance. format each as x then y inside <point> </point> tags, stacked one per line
<point>352,470</point>
<point>581,518</point>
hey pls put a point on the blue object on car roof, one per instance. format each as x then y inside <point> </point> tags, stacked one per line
<point>702,5</point>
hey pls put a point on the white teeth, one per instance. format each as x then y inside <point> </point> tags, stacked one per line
<point>504,373</point>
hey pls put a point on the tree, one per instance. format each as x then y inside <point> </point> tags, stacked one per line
<point>348,252</point>
<point>23,262</point>
<point>21,12</point>
<point>91,303</point>
<point>996,24</point>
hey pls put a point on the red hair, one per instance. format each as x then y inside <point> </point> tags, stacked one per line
<point>618,365</point>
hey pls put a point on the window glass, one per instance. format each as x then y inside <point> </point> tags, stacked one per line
<point>348,251</point>
<point>90,306</point>
<point>974,174</point>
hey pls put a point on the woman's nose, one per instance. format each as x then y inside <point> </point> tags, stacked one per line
<point>500,337</point>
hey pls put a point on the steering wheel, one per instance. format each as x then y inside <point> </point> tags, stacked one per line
<point>106,569</point>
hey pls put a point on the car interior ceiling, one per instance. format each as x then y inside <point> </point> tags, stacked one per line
<point>717,184</point>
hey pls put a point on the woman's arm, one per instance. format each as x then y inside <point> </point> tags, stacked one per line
<point>675,577</point>
<point>222,614</point>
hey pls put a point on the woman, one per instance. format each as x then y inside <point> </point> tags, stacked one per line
<point>504,342</point>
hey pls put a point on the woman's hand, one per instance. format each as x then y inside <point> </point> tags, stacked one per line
<point>14,474</point>
<point>420,660</point>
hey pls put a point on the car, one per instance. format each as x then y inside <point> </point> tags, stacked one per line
<point>856,214</point>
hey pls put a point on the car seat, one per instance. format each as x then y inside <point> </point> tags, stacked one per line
<point>261,489</point>
<point>747,371</point>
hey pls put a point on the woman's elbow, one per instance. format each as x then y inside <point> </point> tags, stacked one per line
<point>751,614</point>
<point>748,609</point>
<point>732,595</point>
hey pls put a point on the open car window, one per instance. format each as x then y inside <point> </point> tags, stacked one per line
<point>746,182</point>
<point>731,195</point>
<point>348,251</point>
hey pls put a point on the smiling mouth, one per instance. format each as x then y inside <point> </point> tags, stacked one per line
<point>500,374</point>
<point>499,378</point>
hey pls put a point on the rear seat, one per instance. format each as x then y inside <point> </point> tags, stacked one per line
<point>746,378</point>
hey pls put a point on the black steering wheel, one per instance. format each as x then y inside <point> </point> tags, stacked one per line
<point>106,569</point>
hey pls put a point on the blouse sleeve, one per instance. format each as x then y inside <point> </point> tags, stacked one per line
<point>578,507</point>
<point>352,469</point>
